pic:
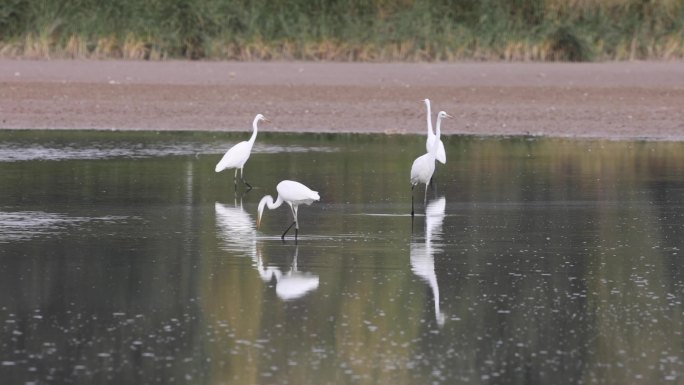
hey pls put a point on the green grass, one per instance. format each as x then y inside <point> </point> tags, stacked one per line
<point>345,30</point>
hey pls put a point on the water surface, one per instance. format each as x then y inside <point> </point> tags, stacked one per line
<point>125,259</point>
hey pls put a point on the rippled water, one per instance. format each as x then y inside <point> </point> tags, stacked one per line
<point>125,259</point>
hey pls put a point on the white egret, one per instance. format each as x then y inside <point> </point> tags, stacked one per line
<point>424,166</point>
<point>237,156</point>
<point>441,154</point>
<point>294,194</point>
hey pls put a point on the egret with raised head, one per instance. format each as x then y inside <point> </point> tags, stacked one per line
<point>424,166</point>
<point>292,193</point>
<point>237,156</point>
<point>431,137</point>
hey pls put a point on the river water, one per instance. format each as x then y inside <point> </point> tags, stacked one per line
<point>124,258</point>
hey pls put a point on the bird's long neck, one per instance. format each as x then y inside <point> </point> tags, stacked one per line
<point>267,201</point>
<point>429,117</point>
<point>256,129</point>
<point>438,133</point>
<point>274,205</point>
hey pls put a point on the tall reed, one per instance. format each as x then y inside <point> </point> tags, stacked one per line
<point>349,30</point>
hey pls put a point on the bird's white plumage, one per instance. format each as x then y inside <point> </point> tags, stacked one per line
<point>441,154</point>
<point>424,166</point>
<point>294,194</point>
<point>431,137</point>
<point>237,156</point>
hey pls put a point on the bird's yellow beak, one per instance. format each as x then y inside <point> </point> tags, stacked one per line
<point>448,116</point>
<point>266,120</point>
<point>258,222</point>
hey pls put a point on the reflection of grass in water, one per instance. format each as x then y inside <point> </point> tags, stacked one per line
<point>345,30</point>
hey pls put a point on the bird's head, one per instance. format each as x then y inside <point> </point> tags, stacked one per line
<point>443,115</point>
<point>260,211</point>
<point>261,118</point>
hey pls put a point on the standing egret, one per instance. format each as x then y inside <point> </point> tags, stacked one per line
<point>424,166</point>
<point>237,156</point>
<point>294,194</point>
<point>431,137</point>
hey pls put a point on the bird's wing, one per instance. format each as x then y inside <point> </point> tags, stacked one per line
<point>441,154</point>
<point>292,191</point>
<point>235,157</point>
<point>420,169</point>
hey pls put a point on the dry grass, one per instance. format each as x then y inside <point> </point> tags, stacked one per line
<point>42,46</point>
<point>382,30</point>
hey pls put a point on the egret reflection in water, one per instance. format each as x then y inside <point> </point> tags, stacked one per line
<point>236,228</point>
<point>118,266</point>
<point>290,285</point>
<point>422,254</point>
<point>237,231</point>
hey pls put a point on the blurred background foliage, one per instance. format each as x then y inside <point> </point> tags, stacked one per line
<point>344,30</point>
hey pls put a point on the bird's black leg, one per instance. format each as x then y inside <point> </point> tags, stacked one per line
<point>412,211</point>
<point>247,184</point>
<point>288,229</point>
<point>296,232</point>
<point>244,181</point>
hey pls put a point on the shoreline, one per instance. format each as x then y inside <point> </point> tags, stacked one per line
<point>615,100</point>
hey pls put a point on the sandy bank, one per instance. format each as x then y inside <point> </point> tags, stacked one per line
<point>621,100</point>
